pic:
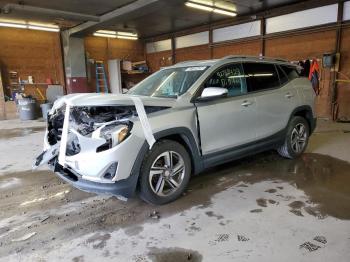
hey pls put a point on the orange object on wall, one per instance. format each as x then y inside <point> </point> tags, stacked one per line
<point>314,76</point>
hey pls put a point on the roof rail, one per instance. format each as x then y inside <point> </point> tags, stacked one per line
<point>256,57</point>
<point>187,61</point>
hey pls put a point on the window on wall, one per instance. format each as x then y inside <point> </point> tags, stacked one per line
<point>230,77</point>
<point>260,76</point>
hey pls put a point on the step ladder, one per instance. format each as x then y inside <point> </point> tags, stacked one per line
<point>101,79</point>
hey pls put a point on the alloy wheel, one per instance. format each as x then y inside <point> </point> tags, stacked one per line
<point>298,138</point>
<point>167,173</point>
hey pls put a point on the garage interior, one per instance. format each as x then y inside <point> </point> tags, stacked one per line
<point>259,208</point>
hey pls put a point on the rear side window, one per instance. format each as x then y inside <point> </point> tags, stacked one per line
<point>260,76</point>
<point>290,71</point>
<point>283,77</point>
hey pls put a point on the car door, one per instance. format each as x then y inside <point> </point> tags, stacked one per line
<point>227,122</point>
<point>275,98</point>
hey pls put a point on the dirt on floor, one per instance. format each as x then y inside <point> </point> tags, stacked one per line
<point>40,202</point>
<point>260,208</point>
<point>19,132</point>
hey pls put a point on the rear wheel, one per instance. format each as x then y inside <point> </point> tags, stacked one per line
<point>165,172</point>
<point>297,138</point>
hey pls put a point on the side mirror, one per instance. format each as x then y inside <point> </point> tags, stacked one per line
<point>211,93</point>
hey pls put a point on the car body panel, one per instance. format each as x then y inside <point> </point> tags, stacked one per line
<point>234,126</point>
<point>273,108</point>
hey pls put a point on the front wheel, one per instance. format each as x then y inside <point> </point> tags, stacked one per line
<point>165,173</point>
<point>297,138</point>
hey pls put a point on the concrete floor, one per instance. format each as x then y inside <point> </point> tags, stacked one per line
<point>261,208</point>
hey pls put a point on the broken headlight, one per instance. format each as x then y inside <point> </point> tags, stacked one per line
<point>113,133</point>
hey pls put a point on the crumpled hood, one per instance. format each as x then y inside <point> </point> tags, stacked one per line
<point>93,99</point>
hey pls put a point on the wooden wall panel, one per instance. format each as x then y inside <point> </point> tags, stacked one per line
<point>126,49</point>
<point>96,47</point>
<point>31,53</point>
<point>159,59</point>
<point>100,48</point>
<point>104,49</point>
<point>2,99</point>
<point>237,48</point>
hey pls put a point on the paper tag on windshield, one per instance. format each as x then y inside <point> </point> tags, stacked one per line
<point>196,68</point>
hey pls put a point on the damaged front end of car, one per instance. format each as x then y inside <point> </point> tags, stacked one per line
<point>85,145</point>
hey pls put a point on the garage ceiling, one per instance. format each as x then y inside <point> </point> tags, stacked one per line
<point>156,18</point>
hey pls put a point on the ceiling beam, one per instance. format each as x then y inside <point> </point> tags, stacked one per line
<point>15,8</point>
<point>122,11</point>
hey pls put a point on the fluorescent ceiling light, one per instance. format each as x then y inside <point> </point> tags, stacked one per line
<point>108,32</point>
<point>13,25</point>
<point>127,37</point>
<point>114,34</point>
<point>104,35</point>
<point>198,6</point>
<point>30,26</point>
<point>210,9</point>
<point>44,28</point>
<point>224,12</point>
<point>127,34</point>
<point>203,2</point>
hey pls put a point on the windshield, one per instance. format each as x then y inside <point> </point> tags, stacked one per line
<point>170,82</point>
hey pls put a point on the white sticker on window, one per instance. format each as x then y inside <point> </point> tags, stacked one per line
<point>196,68</point>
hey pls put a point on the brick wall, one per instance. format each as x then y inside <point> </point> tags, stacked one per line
<point>300,46</point>
<point>343,90</point>
<point>237,48</point>
<point>192,53</point>
<point>308,46</point>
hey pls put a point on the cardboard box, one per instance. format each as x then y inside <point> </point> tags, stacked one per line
<point>11,110</point>
<point>126,65</point>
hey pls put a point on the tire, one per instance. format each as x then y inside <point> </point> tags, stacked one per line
<point>163,180</point>
<point>296,139</point>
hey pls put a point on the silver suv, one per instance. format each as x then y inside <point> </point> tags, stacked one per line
<point>177,122</point>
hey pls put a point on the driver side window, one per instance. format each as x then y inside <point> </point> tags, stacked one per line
<point>230,77</point>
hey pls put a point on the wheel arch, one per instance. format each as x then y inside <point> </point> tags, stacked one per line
<point>184,136</point>
<point>307,113</point>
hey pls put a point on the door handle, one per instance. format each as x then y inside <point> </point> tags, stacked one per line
<point>289,95</point>
<point>246,103</point>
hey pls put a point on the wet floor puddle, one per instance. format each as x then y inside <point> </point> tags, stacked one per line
<point>324,179</point>
<point>19,132</point>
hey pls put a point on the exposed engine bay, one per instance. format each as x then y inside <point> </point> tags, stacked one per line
<point>102,120</point>
<point>86,120</point>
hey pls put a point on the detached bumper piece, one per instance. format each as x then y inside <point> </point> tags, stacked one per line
<point>125,188</point>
